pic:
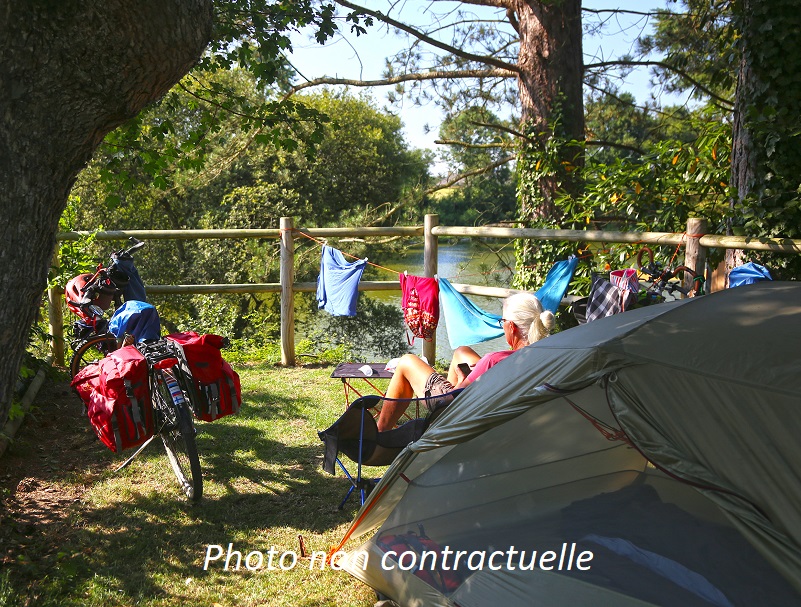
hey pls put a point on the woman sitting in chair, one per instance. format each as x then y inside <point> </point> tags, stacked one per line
<point>524,322</point>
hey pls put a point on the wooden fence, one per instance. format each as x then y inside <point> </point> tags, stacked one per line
<point>695,239</point>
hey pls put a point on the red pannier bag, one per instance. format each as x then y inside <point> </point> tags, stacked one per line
<point>117,397</point>
<point>215,389</point>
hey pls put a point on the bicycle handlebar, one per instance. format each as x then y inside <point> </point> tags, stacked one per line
<point>106,272</point>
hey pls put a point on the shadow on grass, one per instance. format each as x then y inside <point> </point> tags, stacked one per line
<point>260,491</point>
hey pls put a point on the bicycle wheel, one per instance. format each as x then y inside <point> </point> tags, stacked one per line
<point>178,434</point>
<point>91,350</point>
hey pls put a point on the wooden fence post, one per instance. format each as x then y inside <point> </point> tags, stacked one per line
<point>56,318</point>
<point>287,279</point>
<point>430,246</point>
<point>695,254</point>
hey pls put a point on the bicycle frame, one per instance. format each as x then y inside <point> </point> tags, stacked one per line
<point>172,411</point>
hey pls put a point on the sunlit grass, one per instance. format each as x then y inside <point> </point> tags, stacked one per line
<point>134,540</point>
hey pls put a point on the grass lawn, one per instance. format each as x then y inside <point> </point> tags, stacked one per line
<point>73,533</point>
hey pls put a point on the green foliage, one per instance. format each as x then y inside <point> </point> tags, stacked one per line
<point>74,256</point>
<point>488,194</point>
<point>657,191</point>
<point>7,594</point>
<point>699,39</point>
<point>618,128</point>
<point>377,330</point>
<point>769,99</point>
<point>361,164</point>
<point>252,36</point>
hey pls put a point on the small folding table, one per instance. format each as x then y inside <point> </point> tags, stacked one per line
<point>353,377</point>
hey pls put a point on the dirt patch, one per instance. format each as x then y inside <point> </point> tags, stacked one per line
<point>43,475</point>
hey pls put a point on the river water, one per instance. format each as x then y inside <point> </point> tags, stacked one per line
<point>464,262</point>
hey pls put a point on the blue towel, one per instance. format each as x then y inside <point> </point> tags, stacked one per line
<point>559,276</point>
<point>338,283</point>
<point>468,324</point>
<point>137,318</point>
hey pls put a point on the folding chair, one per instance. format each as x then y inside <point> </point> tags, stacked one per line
<point>356,435</point>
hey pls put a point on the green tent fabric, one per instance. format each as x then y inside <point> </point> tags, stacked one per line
<point>683,417</point>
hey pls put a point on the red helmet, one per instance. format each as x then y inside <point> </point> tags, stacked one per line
<point>75,296</point>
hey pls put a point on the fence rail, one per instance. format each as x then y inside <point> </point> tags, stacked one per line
<point>695,238</point>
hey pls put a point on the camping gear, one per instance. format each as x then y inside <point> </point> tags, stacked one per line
<point>117,398</point>
<point>338,282</point>
<point>356,435</point>
<point>420,304</point>
<point>215,388</point>
<point>606,299</point>
<point>664,441</point>
<point>468,324</point>
<point>136,318</point>
<point>127,277</point>
<point>358,378</point>
<point>748,274</point>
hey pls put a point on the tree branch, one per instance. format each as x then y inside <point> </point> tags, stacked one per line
<point>612,144</point>
<point>507,4</point>
<point>462,176</point>
<point>434,75</point>
<point>442,186</point>
<point>662,64</point>
<point>432,41</point>
<point>477,146</point>
<point>620,11</point>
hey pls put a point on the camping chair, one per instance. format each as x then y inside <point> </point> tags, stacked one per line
<point>356,435</point>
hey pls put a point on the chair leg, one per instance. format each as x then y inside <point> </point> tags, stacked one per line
<point>352,483</point>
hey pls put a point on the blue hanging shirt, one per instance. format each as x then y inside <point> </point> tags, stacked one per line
<point>556,282</point>
<point>338,283</point>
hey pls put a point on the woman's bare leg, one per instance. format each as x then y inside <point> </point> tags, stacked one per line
<point>409,379</point>
<point>462,354</point>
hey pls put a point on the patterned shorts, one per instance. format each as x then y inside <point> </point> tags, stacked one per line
<point>436,385</point>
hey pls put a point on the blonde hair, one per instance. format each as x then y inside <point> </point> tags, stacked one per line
<point>526,311</point>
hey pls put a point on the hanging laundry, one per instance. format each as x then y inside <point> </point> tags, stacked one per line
<point>556,282</point>
<point>420,304</point>
<point>338,283</point>
<point>467,324</point>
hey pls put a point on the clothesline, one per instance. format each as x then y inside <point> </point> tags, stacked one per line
<point>369,263</point>
<point>580,256</point>
<point>375,265</point>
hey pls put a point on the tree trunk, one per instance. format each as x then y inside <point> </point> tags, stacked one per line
<point>550,89</point>
<point>552,115</point>
<point>766,142</point>
<point>70,71</point>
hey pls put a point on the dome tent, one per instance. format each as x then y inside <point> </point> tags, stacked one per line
<point>664,441</point>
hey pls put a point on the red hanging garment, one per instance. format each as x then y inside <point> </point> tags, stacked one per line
<point>420,303</point>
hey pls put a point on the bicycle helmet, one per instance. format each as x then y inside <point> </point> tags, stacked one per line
<point>76,297</point>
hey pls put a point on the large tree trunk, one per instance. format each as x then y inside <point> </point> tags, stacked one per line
<point>550,87</point>
<point>70,71</point>
<point>766,143</point>
<point>552,115</point>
